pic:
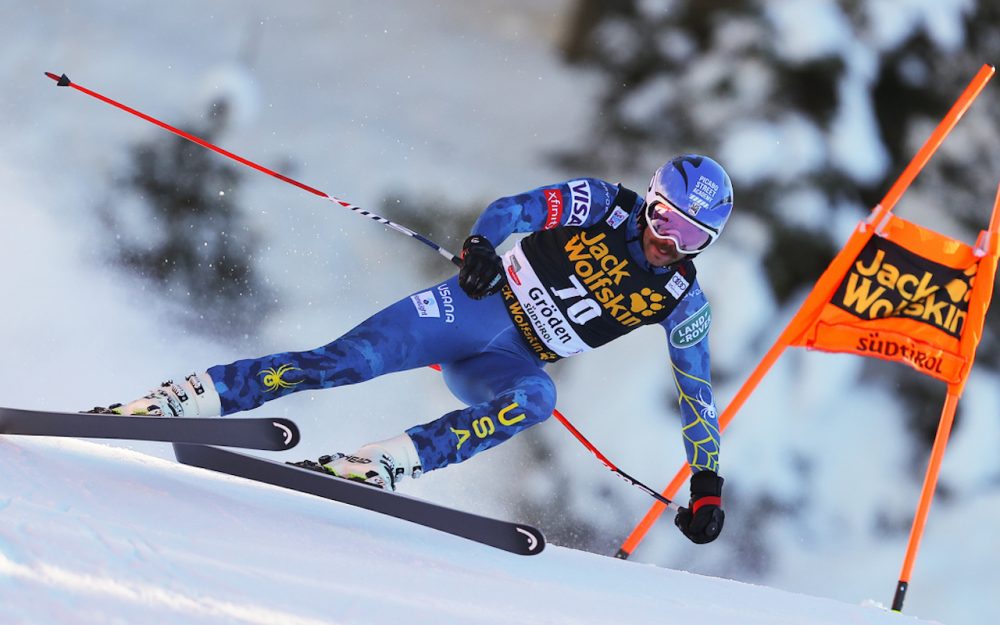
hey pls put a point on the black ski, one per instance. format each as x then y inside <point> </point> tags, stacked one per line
<point>270,434</point>
<point>513,537</point>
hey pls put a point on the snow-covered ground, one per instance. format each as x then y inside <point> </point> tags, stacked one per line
<point>94,534</point>
<point>455,97</point>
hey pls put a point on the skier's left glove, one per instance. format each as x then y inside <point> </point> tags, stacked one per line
<point>702,520</point>
<point>482,271</point>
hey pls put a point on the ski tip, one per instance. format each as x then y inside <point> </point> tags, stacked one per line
<point>534,540</point>
<point>61,81</point>
<point>288,432</point>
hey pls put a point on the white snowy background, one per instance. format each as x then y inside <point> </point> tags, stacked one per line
<point>464,98</point>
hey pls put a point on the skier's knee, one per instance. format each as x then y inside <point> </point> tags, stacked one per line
<point>535,399</point>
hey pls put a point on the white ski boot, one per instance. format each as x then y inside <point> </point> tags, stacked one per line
<point>380,464</point>
<point>194,396</point>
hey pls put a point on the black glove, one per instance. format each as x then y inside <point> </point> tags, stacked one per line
<point>482,272</point>
<point>702,520</point>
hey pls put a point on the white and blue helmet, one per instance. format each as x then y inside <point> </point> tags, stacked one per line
<point>699,191</point>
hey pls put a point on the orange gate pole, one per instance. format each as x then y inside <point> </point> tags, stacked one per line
<point>982,292</point>
<point>824,288</point>
<point>926,494</point>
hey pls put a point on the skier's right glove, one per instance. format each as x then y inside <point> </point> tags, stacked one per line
<point>702,520</point>
<point>482,271</point>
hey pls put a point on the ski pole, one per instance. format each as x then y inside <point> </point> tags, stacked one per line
<point>625,476</point>
<point>64,81</point>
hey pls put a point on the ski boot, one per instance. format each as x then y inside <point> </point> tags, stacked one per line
<point>194,396</point>
<point>380,464</point>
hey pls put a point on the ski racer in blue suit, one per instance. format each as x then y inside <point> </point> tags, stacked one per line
<point>600,261</point>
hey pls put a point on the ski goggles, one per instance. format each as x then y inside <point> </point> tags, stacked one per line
<point>667,222</point>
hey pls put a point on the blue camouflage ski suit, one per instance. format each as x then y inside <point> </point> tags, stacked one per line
<point>492,359</point>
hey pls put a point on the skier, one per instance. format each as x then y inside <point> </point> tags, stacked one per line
<point>600,261</point>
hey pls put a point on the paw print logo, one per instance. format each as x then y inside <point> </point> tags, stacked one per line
<point>646,302</point>
<point>961,290</point>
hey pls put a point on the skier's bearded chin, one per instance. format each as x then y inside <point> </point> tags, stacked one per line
<point>659,252</point>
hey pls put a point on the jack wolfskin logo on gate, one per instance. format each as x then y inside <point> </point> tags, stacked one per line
<point>887,280</point>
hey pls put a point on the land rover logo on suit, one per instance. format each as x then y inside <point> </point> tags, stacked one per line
<point>693,329</point>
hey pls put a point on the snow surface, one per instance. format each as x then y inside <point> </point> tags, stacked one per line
<point>362,99</point>
<point>94,534</point>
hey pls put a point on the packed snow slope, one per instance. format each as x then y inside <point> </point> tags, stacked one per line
<point>92,533</point>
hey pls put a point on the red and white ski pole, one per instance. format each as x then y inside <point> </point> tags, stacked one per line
<point>597,452</point>
<point>64,81</point>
